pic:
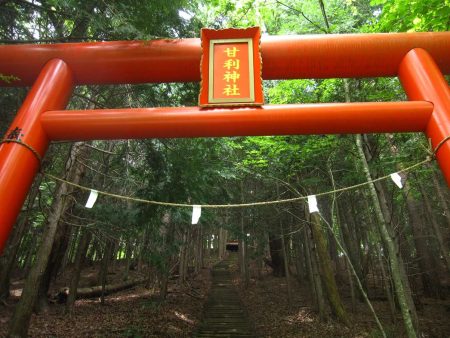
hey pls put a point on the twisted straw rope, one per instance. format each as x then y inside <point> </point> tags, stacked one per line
<point>254,204</point>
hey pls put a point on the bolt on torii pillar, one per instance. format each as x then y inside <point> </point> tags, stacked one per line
<point>54,69</point>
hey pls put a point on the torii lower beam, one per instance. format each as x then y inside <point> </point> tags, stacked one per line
<point>296,119</point>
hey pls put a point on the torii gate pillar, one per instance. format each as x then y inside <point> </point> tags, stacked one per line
<point>422,80</point>
<point>18,165</point>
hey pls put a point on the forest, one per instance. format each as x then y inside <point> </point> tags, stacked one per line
<point>373,262</point>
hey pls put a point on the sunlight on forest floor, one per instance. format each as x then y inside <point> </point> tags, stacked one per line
<point>268,308</point>
<point>135,312</point>
<point>302,316</point>
<point>183,317</point>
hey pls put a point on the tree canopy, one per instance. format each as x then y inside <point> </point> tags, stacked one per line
<point>236,170</point>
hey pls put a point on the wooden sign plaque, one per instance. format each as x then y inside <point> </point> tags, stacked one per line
<point>231,68</point>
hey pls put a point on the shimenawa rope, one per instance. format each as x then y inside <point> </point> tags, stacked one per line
<point>244,205</point>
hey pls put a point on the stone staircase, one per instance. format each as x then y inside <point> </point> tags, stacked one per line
<point>224,315</point>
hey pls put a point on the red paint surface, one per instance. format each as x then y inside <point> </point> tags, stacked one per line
<point>323,56</point>
<point>267,120</point>
<point>18,165</point>
<point>231,87</point>
<point>283,57</point>
<point>422,80</point>
<point>241,89</point>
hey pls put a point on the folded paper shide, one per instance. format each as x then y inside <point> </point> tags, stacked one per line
<point>397,179</point>
<point>312,204</point>
<point>196,213</point>
<point>92,199</point>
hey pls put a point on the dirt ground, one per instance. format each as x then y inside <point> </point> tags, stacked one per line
<point>274,316</point>
<point>137,312</point>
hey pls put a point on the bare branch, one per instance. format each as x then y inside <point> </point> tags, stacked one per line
<point>303,14</point>
<point>100,150</point>
<point>324,14</point>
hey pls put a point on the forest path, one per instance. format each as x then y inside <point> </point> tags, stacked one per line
<point>223,314</point>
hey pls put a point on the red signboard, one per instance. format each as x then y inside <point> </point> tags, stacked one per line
<point>231,68</point>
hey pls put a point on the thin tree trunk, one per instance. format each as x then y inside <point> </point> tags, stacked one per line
<point>28,260</point>
<point>165,269</point>
<point>60,243</point>
<point>201,248</point>
<point>243,244</point>
<point>183,258</point>
<point>352,244</point>
<point>277,259</point>
<point>387,286</point>
<point>80,254</point>
<point>247,262</point>
<point>327,271</point>
<point>128,253</point>
<point>20,320</point>
<point>436,229</point>
<point>398,273</point>
<point>430,279</point>
<point>8,259</point>
<point>286,265</point>
<point>443,199</point>
<point>104,270</point>
<point>314,277</point>
<point>70,253</point>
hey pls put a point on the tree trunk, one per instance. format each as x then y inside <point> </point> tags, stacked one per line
<point>397,268</point>
<point>182,258</point>
<point>28,260</point>
<point>352,247</point>
<point>20,320</point>
<point>60,244</point>
<point>430,279</point>
<point>128,254</point>
<point>314,276</point>
<point>442,196</point>
<point>277,260</point>
<point>328,279</point>
<point>164,272</point>
<point>81,252</point>
<point>436,229</point>
<point>386,285</point>
<point>286,264</point>
<point>221,244</point>
<point>8,259</point>
<point>104,270</point>
<point>201,248</point>
<point>101,290</point>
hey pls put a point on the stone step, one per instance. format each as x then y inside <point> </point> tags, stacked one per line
<point>224,315</point>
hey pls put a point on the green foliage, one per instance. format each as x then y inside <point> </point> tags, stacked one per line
<point>412,16</point>
<point>8,78</point>
<point>216,170</point>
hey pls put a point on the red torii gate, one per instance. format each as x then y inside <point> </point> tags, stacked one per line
<point>418,59</point>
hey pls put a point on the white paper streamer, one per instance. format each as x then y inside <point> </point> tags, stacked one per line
<point>196,213</point>
<point>397,180</point>
<point>92,198</point>
<point>312,204</point>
